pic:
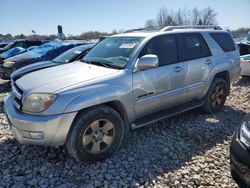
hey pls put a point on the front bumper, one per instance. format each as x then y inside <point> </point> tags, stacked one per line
<point>38,130</point>
<point>239,162</point>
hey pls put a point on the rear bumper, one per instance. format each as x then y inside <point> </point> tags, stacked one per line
<point>239,163</point>
<point>235,73</point>
<point>38,130</point>
<point>245,67</point>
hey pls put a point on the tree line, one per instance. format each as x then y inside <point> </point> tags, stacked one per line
<point>183,16</point>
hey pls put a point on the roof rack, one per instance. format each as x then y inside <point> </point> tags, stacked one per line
<point>170,28</point>
<point>143,29</point>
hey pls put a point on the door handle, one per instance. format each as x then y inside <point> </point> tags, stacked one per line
<point>178,69</point>
<point>208,62</point>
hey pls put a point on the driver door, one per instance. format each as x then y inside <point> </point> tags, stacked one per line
<point>161,87</point>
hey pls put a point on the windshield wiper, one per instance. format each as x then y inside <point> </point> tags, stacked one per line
<point>100,63</point>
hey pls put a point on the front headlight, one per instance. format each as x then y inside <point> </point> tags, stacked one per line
<point>245,133</point>
<point>8,64</point>
<point>38,102</point>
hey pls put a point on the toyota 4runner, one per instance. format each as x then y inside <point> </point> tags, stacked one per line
<point>126,81</point>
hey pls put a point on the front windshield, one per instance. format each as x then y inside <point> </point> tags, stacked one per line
<point>113,51</point>
<point>69,55</point>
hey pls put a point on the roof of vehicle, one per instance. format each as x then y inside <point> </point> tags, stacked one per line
<point>144,32</point>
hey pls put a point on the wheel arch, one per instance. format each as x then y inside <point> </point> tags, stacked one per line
<point>116,105</point>
<point>218,73</point>
<point>225,76</point>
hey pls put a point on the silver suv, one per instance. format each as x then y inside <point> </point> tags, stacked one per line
<point>126,81</point>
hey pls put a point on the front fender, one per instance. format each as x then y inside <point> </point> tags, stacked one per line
<point>101,96</point>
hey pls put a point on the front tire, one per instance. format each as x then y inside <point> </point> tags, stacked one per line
<point>215,97</point>
<point>95,134</point>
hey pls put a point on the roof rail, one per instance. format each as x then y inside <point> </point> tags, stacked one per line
<point>170,28</point>
<point>142,29</point>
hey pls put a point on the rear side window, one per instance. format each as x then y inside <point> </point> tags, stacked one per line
<point>165,47</point>
<point>193,46</point>
<point>224,40</point>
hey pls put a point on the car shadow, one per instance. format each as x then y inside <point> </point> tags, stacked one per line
<point>147,153</point>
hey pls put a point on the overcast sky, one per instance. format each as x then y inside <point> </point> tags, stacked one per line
<point>77,16</point>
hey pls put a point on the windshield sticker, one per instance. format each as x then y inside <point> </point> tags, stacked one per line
<point>128,45</point>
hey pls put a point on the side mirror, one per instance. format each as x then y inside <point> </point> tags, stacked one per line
<point>147,62</point>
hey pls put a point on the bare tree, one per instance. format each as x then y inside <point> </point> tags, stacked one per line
<point>179,17</point>
<point>208,16</point>
<point>183,16</point>
<point>150,23</point>
<point>195,16</point>
<point>161,17</point>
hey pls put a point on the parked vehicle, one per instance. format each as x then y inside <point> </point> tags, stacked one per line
<point>3,44</point>
<point>44,52</point>
<point>245,65</point>
<point>21,43</point>
<point>69,56</point>
<point>126,81</point>
<point>11,52</point>
<point>244,49</point>
<point>240,154</point>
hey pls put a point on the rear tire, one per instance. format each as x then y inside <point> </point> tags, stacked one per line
<point>215,97</point>
<point>95,134</point>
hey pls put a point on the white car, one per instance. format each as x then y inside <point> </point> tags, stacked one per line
<point>245,65</point>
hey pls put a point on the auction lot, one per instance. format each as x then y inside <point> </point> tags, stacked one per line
<point>188,150</point>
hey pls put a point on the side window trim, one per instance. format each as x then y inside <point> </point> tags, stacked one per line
<point>204,45</point>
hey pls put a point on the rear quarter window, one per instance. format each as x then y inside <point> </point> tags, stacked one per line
<point>224,40</point>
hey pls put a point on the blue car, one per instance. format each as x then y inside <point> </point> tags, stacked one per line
<point>69,56</point>
<point>45,52</point>
<point>20,43</point>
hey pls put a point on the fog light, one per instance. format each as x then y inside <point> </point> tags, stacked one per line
<point>25,134</point>
<point>37,135</point>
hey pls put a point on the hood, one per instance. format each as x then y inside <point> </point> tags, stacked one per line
<point>33,67</point>
<point>25,57</point>
<point>58,77</point>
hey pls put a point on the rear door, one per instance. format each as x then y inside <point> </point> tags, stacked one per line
<point>195,53</point>
<point>160,87</point>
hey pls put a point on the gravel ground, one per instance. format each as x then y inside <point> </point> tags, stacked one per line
<point>188,150</point>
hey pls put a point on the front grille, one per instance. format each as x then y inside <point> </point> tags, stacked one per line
<point>17,95</point>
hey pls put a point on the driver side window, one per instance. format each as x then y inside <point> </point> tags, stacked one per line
<point>165,47</point>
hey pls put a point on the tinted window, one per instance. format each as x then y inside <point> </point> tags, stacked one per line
<point>224,40</point>
<point>20,44</point>
<point>33,43</point>
<point>164,47</point>
<point>191,46</point>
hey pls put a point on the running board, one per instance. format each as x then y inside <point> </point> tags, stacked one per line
<point>168,112</point>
